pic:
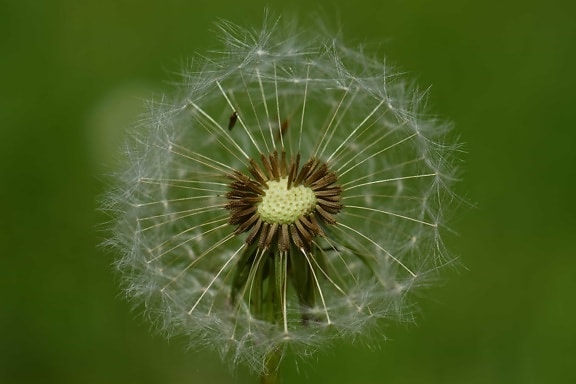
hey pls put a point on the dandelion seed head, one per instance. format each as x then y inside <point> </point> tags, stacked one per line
<point>292,193</point>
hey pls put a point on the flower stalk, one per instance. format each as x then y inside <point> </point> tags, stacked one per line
<point>272,368</point>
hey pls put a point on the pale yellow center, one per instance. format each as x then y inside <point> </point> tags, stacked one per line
<point>281,205</point>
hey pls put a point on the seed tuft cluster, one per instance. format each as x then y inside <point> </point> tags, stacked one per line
<point>294,193</point>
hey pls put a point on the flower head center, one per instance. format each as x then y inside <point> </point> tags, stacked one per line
<point>283,205</point>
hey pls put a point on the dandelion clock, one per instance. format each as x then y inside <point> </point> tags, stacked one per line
<point>292,193</point>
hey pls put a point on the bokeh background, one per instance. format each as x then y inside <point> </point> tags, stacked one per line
<point>72,76</point>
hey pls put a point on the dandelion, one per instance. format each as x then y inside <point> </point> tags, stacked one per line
<point>293,193</point>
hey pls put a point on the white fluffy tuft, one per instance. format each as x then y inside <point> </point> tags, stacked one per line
<point>394,165</point>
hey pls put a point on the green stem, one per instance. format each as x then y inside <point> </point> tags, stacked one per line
<point>271,310</point>
<point>270,375</point>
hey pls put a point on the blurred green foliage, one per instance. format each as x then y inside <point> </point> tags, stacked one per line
<point>71,77</point>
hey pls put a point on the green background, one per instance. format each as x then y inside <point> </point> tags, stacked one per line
<point>71,76</point>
